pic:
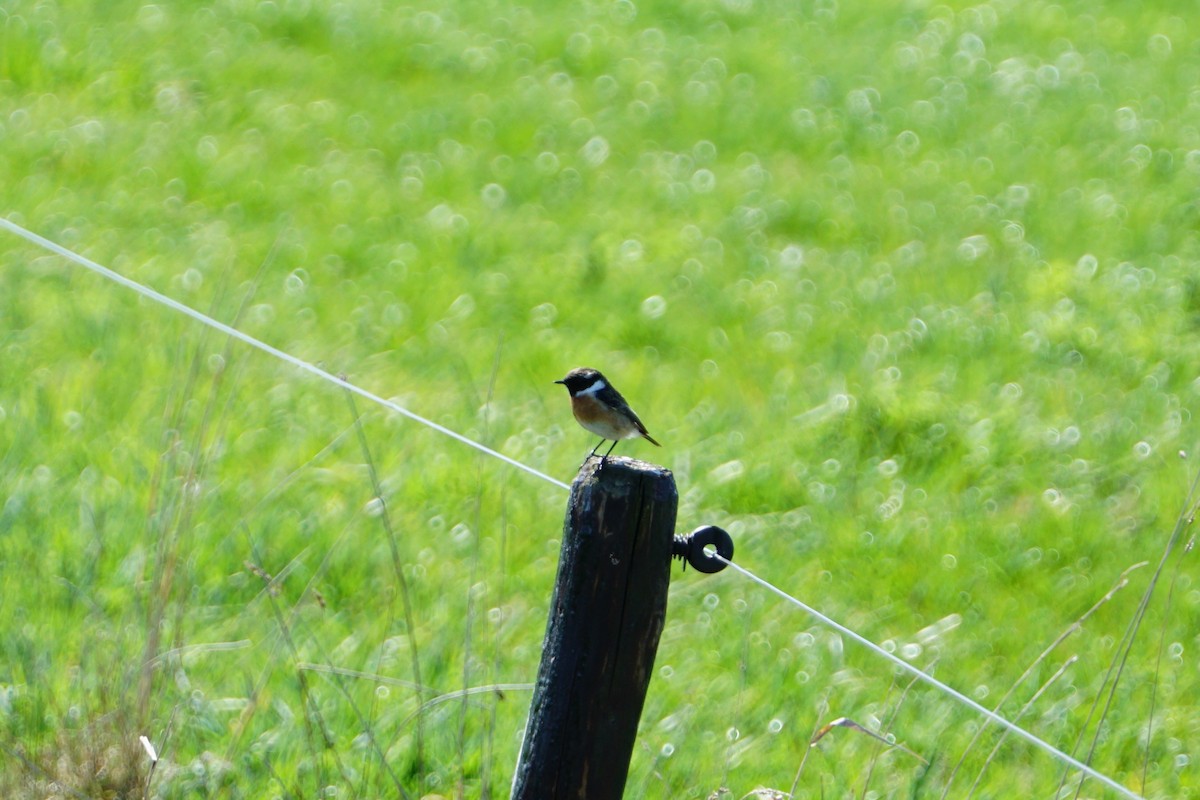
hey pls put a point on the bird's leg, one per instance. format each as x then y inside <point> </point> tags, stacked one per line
<point>594,449</point>
<point>605,458</point>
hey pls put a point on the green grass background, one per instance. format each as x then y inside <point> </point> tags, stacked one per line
<point>909,292</point>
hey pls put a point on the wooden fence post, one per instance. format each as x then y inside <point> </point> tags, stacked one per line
<point>606,614</point>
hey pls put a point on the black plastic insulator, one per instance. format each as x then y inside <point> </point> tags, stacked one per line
<point>690,548</point>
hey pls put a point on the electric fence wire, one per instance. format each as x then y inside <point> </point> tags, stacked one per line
<point>175,305</point>
<point>932,681</point>
<point>305,366</point>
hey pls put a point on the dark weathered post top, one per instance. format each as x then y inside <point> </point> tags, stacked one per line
<point>606,615</point>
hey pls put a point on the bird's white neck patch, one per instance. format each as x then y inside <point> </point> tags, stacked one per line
<point>598,386</point>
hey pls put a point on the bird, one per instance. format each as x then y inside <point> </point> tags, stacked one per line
<point>600,409</point>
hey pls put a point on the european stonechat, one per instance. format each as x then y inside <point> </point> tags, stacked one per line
<point>600,409</point>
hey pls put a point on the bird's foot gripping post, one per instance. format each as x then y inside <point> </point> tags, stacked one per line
<point>606,615</point>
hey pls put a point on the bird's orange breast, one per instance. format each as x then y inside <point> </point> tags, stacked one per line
<point>601,420</point>
<point>589,409</point>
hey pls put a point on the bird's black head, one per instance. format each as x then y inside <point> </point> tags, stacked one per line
<point>581,379</point>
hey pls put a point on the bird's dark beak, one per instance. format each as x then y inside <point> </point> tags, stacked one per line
<point>562,382</point>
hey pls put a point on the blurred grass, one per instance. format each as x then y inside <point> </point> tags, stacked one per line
<point>909,293</point>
